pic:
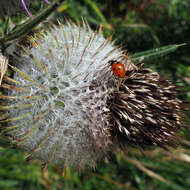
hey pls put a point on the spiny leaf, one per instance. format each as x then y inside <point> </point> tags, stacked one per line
<point>156,52</point>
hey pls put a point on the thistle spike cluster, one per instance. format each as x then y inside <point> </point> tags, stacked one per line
<point>147,114</point>
<point>63,106</point>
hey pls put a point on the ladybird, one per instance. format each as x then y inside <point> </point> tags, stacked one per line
<point>118,68</point>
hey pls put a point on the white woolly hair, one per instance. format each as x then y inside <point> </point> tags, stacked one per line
<point>56,103</point>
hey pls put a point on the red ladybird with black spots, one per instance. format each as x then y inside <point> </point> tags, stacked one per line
<point>118,68</point>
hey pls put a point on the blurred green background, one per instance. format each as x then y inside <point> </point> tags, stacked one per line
<point>137,25</point>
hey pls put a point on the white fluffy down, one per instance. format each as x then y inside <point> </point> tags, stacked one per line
<point>62,117</point>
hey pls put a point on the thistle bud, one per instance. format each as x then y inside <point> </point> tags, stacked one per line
<point>63,104</point>
<point>56,103</point>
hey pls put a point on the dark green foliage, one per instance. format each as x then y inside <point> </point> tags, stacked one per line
<point>137,25</point>
<point>15,173</point>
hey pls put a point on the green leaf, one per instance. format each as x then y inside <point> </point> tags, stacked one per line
<point>93,5</point>
<point>156,52</point>
<point>8,183</point>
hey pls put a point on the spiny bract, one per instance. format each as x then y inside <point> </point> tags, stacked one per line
<point>145,110</point>
<point>57,100</point>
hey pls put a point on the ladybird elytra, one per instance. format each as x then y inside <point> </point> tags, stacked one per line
<point>118,68</point>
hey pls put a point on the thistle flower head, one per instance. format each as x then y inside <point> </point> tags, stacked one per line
<point>63,104</point>
<point>57,107</point>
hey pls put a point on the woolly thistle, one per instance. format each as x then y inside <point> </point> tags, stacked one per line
<point>63,104</point>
